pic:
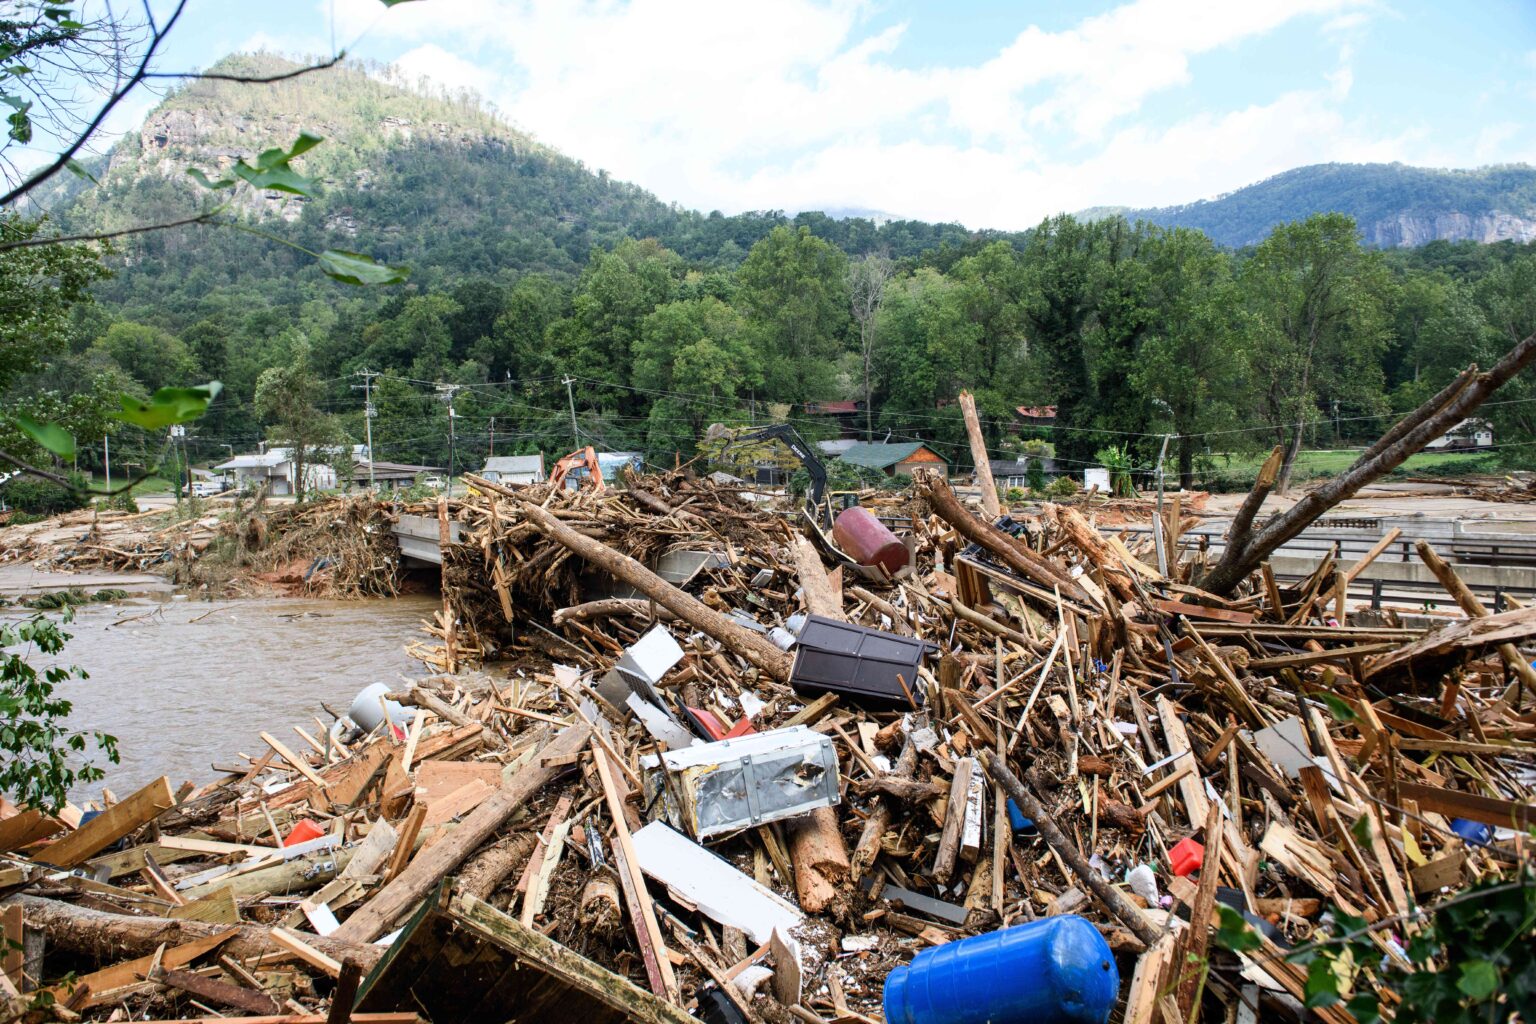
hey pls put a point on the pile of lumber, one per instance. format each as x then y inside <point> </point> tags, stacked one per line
<point>520,826</point>
<point>111,541</point>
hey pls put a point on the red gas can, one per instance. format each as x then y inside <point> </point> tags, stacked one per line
<point>867,540</point>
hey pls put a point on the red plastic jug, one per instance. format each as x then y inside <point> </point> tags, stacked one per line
<point>1186,857</point>
<point>303,832</point>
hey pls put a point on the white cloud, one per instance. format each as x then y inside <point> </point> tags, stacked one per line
<point>799,104</point>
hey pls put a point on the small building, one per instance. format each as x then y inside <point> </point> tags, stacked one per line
<point>391,476</point>
<point>909,457</point>
<point>1036,415</point>
<point>514,470</point>
<point>275,468</point>
<point>1468,434</point>
<point>1008,473</point>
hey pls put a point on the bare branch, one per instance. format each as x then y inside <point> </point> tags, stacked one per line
<point>28,243</point>
<point>215,76</point>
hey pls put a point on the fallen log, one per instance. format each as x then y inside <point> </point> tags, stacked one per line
<point>611,607</point>
<point>690,609</point>
<point>1475,609</point>
<point>112,937</point>
<point>1009,551</point>
<point>432,864</point>
<point>491,866</point>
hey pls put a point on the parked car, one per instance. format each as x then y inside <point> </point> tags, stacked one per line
<point>206,488</point>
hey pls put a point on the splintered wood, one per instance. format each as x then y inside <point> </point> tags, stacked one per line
<point>1072,731</point>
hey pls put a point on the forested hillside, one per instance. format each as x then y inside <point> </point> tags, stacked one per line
<point>1394,205</point>
<point>539,286</point>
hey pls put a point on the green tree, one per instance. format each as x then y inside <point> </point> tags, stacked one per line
<point>1191,362</point>
<point>152,357</point>
<point>287,397</point>
<point>1062,258</point>
<point>794,291</point>
<point>698,348</point>
<point>1319,302</point>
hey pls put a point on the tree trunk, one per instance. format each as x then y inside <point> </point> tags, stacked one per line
<point>1009,551</point>
<point>113,937</point>
<point>1288,462</point>
<point>1246,550</point>
<point>1186,463</point>
<point>738,639</point>
<point>429,866</point>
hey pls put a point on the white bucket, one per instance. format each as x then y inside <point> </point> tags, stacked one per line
<point>365,711</point>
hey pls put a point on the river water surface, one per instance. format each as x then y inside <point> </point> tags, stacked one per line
<point>187,684</point>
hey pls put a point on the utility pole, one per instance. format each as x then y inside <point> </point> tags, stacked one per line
<point>571,400</point>
<point>447,391</point>
<point>368,413</point>
<point>492,438</point>
<point>1157,520</point>
<point>106,449</point>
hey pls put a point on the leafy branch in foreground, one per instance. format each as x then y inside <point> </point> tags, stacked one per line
<point>1472,958</point>
<point>37,770</point>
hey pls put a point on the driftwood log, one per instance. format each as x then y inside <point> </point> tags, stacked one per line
<point>112,937</point>
<point>1247,548</point>
<point>1009,551</point>
<point>738,639</point>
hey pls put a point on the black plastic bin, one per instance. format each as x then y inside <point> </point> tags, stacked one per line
<point>857,661</point>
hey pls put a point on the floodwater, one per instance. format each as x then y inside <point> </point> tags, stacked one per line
<point>184,684</point>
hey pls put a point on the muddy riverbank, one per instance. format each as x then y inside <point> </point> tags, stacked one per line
<point>184,684</point>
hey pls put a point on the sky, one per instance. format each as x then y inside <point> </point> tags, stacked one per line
<point>992,113</point>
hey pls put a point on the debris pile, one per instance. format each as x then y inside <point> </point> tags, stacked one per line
<point>708,763</point>
<point>110,541</point>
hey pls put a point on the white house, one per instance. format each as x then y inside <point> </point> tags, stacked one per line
<point>1471,433</point>
<point>514,470</point>
<point>275,468</point>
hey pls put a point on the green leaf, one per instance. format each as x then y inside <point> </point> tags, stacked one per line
<point>21,125</point>
<point>1479,979</point>
<point>1322,984</point>
<point>78,170</point>
<point>50,435</point>
<point>277,179</point>
<point>356,268</point>
<point>203,179</point>
<point>168,406</point>
<point>1340,709</point>
<point>1361,829</point>
<point>1234,933</point>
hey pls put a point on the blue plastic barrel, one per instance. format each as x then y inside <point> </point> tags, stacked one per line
<point>1058,970</point>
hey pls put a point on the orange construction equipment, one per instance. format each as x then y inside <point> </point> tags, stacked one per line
<point>582,458</point>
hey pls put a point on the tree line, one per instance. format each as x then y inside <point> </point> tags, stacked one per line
<point>1130,330</point>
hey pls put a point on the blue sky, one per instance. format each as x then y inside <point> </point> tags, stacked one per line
<point>994,114</point>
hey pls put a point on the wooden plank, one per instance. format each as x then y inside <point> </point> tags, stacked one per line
<point>218,907</point>
<point>1191,787</point>
<point>571,969</point>
<point>26,827</point>
<point>110,825</point>
<point>13,928</point>
<point>1200,611</point>
<point>642,913</point>
<point>1454,804</point>
<point>212,990</point>
<point>304,951</point>
<point>406,845</point>
<point>1146,982</point>
<point>298,763</point>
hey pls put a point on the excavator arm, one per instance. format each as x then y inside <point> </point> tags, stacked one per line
<point>791,439</point>
<point>583,458</point>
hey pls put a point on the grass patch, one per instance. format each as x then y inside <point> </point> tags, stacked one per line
<point>1237,472</point>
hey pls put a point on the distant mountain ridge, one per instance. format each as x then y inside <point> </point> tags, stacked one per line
<point>1395,205</point>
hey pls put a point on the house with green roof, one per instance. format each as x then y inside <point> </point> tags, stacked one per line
<point>909,457</point>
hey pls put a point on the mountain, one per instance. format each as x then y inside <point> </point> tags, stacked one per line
<point>409,175</point>
<point>1394,204</point>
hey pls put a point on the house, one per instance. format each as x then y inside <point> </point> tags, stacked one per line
<point>849,414</point>
<point>1467,434</point>
<point>1036,415</point>
<point>275,468</point>
<point>391,476</point>
<point>1008,473</point>
<point>514,470</point>
<point>908,457</point>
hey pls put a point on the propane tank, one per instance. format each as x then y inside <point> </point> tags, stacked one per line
<point>1057,970</point>
<point>867,539</point>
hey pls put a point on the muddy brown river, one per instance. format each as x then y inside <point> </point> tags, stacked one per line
<point>186,684</point>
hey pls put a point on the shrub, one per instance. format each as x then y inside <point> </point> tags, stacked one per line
<point>41,497</point>
<point>1015,494</point>
<point>1063,487</point>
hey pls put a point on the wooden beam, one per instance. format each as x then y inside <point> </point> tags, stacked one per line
<point>111,825</point>
<point>979,457</point>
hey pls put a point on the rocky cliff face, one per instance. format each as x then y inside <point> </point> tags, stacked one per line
<point>1409,229</point>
